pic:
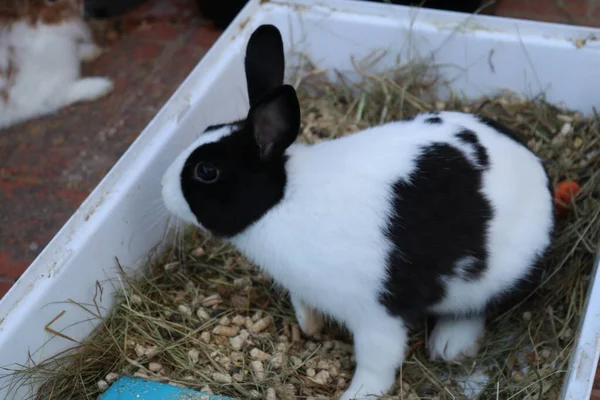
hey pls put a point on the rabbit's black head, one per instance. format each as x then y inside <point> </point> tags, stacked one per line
<point>234,173</point>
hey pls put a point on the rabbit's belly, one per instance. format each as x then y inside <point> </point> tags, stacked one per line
<point>333,259</point>
<point>326,276</point>
<point>336,301</point>
<point>341,290</point>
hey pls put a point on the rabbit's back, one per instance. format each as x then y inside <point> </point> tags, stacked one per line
<point>441,213</point>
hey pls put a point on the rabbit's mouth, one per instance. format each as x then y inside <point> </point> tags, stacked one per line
<point>172,193</point>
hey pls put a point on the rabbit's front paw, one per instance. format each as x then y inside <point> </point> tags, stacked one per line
<point>453,339</point>
<point>310,320</point>
<point>368,386</point>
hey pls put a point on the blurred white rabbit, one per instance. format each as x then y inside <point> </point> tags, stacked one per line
<point>42,44</point>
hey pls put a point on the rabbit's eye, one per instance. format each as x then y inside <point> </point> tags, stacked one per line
<point>206,173</point>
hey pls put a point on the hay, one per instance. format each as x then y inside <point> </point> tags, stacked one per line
<point>204,318</point>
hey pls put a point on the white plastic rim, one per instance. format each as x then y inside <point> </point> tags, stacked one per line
<point>118,221</point>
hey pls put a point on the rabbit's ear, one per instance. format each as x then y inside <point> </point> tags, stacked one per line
<point>264,62</point>
<point>275,122</point>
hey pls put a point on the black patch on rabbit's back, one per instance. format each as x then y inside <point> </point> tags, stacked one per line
<point>246,189</point>
<point>435,120</point>
<point>438,230</point>
<point>503,129</point>
<point>469,137</point>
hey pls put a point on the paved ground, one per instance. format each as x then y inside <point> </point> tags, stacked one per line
<point>48,166</point>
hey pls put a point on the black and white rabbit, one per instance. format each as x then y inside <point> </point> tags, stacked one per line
<point>439,215</point>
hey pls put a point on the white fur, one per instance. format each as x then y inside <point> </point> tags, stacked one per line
<point>48,59</point>
<point>310,320</point>
<point>325,241</point>
<point>452,339</point>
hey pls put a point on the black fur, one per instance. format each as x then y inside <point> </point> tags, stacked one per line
<point>251,164</point>
<point>264,62</point>
<point>502,129</point>
<point>433,120</point>
<point>220,12</point>
<point>440,216</point>
<point>251,160</point>
<point>276,121</point>
<point>102,9</point>
<point>247,186</point>
<point>469,137</point>
<point>219,126</point>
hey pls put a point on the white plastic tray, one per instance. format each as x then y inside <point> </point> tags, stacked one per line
<point>119,220</point>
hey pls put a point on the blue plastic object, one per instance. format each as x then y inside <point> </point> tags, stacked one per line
<point>127,388</point>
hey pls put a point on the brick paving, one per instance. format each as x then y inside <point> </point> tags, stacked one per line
<point>49,166</point>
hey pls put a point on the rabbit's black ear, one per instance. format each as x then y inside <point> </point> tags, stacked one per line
<point>275,122</point>
<point>264,62</point>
